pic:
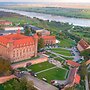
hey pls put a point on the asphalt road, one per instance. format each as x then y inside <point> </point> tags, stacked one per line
<point>41,85</point>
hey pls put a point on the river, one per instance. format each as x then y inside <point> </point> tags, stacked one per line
<point>74,21</point>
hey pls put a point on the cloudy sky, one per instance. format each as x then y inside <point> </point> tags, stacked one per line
<point>75,1</point>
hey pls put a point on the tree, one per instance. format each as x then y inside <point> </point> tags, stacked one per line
<point>5,67</point>
<point>16,85</point>
<point>26,85</point>
<point>40,43</point>
<point>86,54</point>
<point>8,87</point>
<point>70,88</point>
<point>27,31</point>
<point>83,70</point>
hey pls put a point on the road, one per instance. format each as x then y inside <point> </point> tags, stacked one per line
<point>41,85</point>
<point>76,54</point>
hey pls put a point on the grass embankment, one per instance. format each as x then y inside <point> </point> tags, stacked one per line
<point>53,74</point>
<point>61,51</point>
<point>40,66</point>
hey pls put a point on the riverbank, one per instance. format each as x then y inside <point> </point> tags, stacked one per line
<point>74,21</point>
<point>67,12</point>
<point>55,27</point>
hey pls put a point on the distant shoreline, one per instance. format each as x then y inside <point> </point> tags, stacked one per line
<point>47,4</point>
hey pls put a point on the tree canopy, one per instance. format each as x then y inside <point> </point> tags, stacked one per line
<point>5,67</point>
<point>40,43</point>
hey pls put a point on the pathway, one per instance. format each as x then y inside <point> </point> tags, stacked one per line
<point>39,84</point>
<point>45,70</point>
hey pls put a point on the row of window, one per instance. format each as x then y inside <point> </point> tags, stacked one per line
<point>21,52</point>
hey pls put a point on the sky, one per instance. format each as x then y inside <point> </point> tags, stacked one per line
<point>73,1</point>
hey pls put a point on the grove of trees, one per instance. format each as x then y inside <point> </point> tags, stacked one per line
<point>5,67</point>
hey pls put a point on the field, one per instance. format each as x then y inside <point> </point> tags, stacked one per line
<point>68,12</point>
<point>66,42</point>
<point>61,51</point>
<point>40,67</point>
<point>82,32</point>
<point>49,74</point>
<point>54,74</point>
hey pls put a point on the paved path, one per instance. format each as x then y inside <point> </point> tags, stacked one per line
<point>77,56</point>
<point>86,82</point>
<point>56,54</point>
<point>41,85</point>
<point>45,70</point>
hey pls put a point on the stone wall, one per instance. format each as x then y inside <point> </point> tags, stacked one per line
<point>23,64</point>
<point>6,78</point>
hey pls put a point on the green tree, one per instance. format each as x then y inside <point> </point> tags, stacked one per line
<point>5,67</point>
<point>16,85</point>
<point>8,87</point>
<point>83,70</point>
<point>26,85</point>
<point>27,31</point>
<point>40,43</point>
<point>86,54</point>
<point>70,88</point>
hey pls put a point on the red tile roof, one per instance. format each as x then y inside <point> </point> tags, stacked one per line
<point>5,22</point>
<point>77,79</point>
<point>71,76</point>
<point>17,39</point>
<point>72,63</point>
<point>83,44</point>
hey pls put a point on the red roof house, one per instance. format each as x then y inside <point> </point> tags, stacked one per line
<point>4,22</point>
<point>77,79</point>
<point>82,45</point>
<point>49,40</point>
<point>72,63</point>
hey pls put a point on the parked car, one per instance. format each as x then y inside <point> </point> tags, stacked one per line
<point>44,79</point>
<point>28,64</point>
<point>33,73</point>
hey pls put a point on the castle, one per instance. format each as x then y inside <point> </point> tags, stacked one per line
<point>17,47</point>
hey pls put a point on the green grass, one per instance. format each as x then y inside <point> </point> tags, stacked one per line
<point>40,66</point>
<point>53,74</point>
<point>62,51</point>
<point>22,69</point>
<point>66,43</point>
<point>58,59</point>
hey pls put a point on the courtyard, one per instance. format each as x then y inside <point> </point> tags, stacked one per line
<point>48,71</point>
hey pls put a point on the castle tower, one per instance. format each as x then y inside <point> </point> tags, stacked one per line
<point>18,31</point>
<point>36,43</point>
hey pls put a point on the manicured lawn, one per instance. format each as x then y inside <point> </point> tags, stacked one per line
<point>40,66</point>
<point>62,51</point>
<point>66,43</point>
<point>53,74</point>
<point>58,59</point>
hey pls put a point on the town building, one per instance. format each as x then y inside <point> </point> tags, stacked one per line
<point>5,22</point>
<point>73,78</point>
<point>35,29</point>
<point>17,47</point>
<point>49,40</point>
<point>83,45</point>
<point>72,63</point>
<point>11,30</point>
